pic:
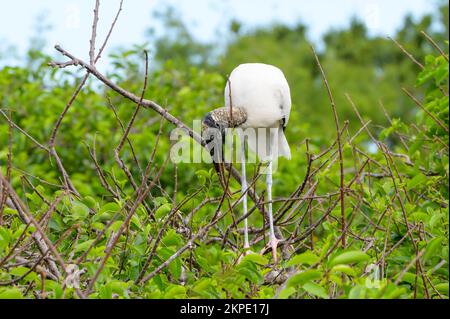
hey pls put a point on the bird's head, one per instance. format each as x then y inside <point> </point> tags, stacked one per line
<point>224,117</point>
<point>213,130</point>
<point>214,124</point>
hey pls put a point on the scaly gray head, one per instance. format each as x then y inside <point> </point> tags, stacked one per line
<point>213,130</point>
<point>222,118</point>
<point>214,124</point>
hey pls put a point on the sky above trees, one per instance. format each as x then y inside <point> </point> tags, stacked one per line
<point>69,22</point>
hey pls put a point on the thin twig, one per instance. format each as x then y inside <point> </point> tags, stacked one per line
<point>434,44</point>
<point>338,133</point>
<point>417,102</point>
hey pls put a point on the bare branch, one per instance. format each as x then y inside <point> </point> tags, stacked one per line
<point>94,33</point>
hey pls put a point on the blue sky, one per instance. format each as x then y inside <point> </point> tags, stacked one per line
<point>71,20</point>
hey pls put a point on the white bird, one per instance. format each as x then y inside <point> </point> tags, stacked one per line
<point>259,97</point>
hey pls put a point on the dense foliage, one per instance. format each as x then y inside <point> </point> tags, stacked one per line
<point>183,240</point>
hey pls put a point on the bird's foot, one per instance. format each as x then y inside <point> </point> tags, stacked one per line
<point>272,244</point>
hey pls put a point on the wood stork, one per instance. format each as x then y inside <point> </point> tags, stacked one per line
<point>259,99</point>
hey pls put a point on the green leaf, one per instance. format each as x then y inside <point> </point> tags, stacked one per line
<point>9,211</point>
<point>83,246</point>
<point>115,226</point>
<point>407,277</point>
<point>349,257</point>
<point>286,292</point>
<point>307,258</point>
<point>251,274</point>
<point>11,293</point>
<point>5,236</point>
<point>303,277</point>
<point>89,201</point>
<point>136,222</point>
<point>172,238</point>
<point>98,226</point>
<point>315,289</point>
<point>249,270</point>
<point>105,292</point>
<point>107,211</point>
<point>344,269</point>
<point>79,210</point>
<point>158,201</point>
<point>415,181</point>
<point>420,217</point>
<point>109,208</point>
<point>119,287</point>
<point>202,175</point>
<point>174,267</point>
<point>435,218</point>
<point>255,258</point>
<point>357,292</point>
<point>163,210</point>
<point>20,271</point>
<point>442,288</point>
<point>432,247</point>
<point>175,292</point>
<point>205,288</point>
<point>395,293</point>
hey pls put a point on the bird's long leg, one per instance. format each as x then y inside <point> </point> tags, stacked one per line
<point>244,196</point>
<point>273,241</point>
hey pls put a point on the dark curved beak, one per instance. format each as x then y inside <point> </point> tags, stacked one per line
<point>214,134</point>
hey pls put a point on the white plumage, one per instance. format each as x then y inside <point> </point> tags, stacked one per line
<point>262,91</point>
